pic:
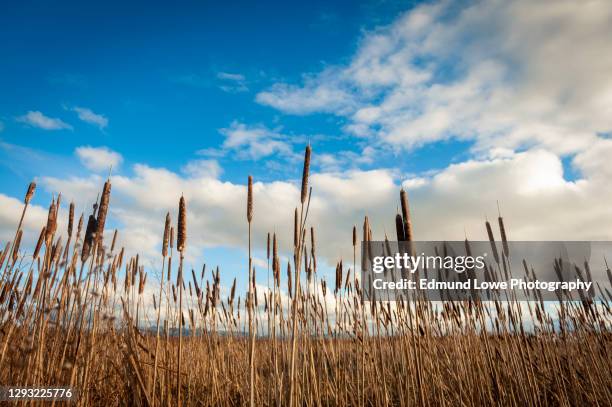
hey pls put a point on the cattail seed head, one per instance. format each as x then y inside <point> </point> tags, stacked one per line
<point>399,228</point>
<point>181,237</point>
<point>70,218</point>
<point>41,239</point>
<point>90,231</point>
<point>289,280</point>
<point>166,235</point>
<point>406,215</point>
<point>80,226</point>
<point>16,245</point>
<point>102,211</point>
<point>492,241</point>
<point>354,236</point>
<point>305,174</point>
<point>502,231</point>
<point>250,200</point>
<point>51,222</point>
<point>312,241</point>
<point>114,241</point>
<point>30,193</point>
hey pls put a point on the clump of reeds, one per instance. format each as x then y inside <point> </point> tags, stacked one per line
<point>86,324</point>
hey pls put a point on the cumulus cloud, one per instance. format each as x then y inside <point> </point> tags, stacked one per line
<point>37,119</point>
<point>253,142</point>
<point>534,195</point>
<point>203,169</point>
<point>508,74</point>
<point>88,116</point>
<point>98,158</point>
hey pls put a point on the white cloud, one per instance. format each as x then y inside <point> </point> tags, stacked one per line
<point>536,200</point>
<point>37,119</point>
<point>253,142</point>
<point>88,116</point>
<point>98,158</point>
<point>203,169</point>
<point>510,74</point>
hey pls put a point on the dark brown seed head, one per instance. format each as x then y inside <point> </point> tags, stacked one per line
<point>492,241</point>
<point>89,238</point>
<point>305,174</point>
<point>114,241</point>
<point>30,193</point>
<point>289,280</point>
<point>166,235</point>
<point>406,215</point>
<point>102,211</point>
<point>250,200</point>
<point>16,245</point>
<point>502,230</point>
<point>80,226</point>
<point>354,236</point>
<point>70,219</point>
<point>181,238</point>
<point>51,222</point>
<point>399,228</point>
<point>41,239</point>
<point>312,241</point>
<point>268,247</point>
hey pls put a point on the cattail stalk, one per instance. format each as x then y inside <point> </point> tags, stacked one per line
<point>251,299</point>
<point>180,245</point>
<point>161,286</point>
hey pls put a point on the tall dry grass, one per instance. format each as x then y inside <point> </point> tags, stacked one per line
<point>73,314</point>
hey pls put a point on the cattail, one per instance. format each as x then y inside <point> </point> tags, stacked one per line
<point>289,281</point>
<point>305,174</point>
<point>233,291</point>
<point>166,235</point>
<point>406,215</point>
<point>79,226</point>
<point>171,237</point>
<point>399,228</point>
<point>181,236</point>
<point>70,218</point>
<point>89,237</point>
<point>30,193</point>
<point>502,231</point>
<point>492,241</point>
<point>354,236</point>
<point>312,249</point>
<point>16,245</point>
<point>141,281</point>
<point>250,200</point>
<point>268,247</point>
<point>102,211</point>
<point>114,241</point>
<point>40,242</point>
<point>51,222</point>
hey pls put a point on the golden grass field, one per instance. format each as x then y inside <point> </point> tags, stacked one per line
<point>70,310</point>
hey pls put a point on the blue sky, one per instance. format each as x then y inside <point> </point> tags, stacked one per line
<point>464,104</point>
<point>168,79</point>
